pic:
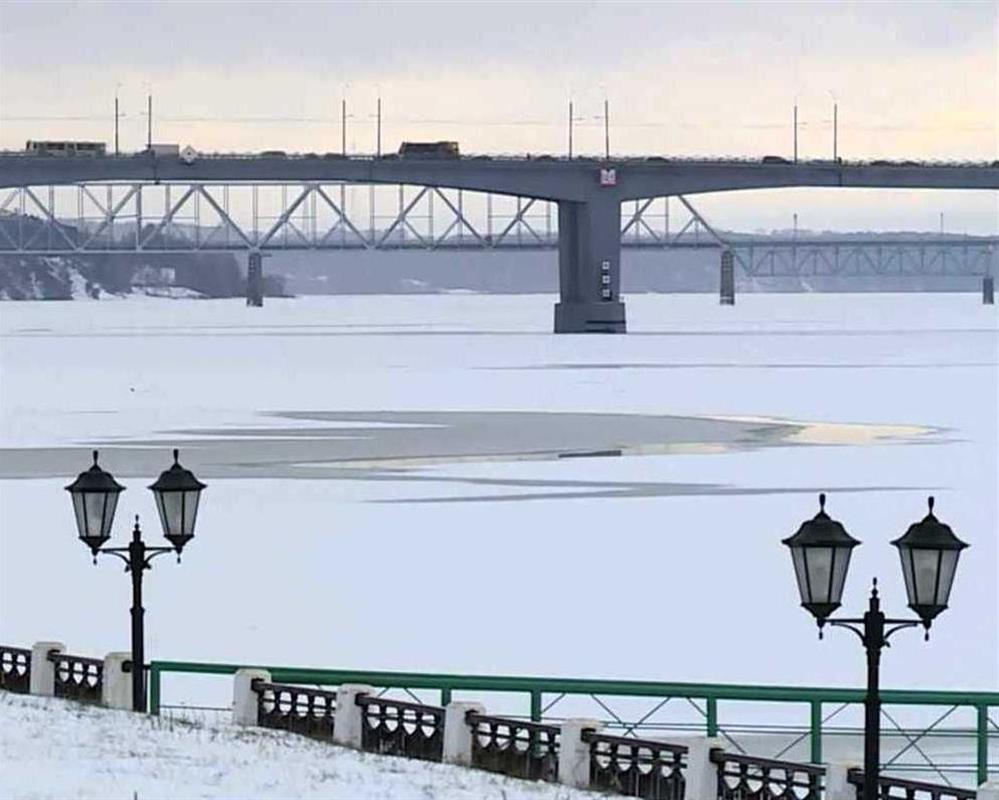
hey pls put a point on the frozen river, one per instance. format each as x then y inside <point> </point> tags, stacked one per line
<point>438,483</point>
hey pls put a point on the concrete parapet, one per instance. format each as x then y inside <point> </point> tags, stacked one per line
<point>42,681</point>
<point>244,699</point>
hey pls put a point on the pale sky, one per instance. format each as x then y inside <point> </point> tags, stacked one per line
<point>912,80</point>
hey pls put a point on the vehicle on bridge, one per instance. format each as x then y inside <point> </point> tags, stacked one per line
<point>163,150</point>
<point>429,150</point>
<point>775,160</point>
<point>66,148</point>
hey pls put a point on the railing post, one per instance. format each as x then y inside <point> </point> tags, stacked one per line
<point>982,744</point>
<point>988,791</point>
<point>702,774</point>
<point>116,685</point>
<point>349,723</point>
<point>838,786</point>
<point>535,705</point>
<point>154,689</point>
<point>574,753</point>
<point>42,681</point>
<point>712,716</point>
<point>244,699</point>
<point>458,733</point>
<point>815,732</point>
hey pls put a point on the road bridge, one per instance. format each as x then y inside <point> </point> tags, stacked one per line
<point>588,194</point>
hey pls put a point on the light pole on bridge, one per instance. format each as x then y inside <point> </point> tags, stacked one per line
<point>795,123</point>
<point>606,128</point>
<point>572,119</point>
<point>116,117</point>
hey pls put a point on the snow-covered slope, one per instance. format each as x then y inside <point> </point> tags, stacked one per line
<point>59,749</point>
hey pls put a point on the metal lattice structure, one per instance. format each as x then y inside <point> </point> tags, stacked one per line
<point>137,217</point>
<point>846,258</point>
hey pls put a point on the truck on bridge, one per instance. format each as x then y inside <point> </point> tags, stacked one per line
<point>429,150</point>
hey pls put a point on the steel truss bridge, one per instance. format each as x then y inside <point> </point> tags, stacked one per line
<point>132,217</point>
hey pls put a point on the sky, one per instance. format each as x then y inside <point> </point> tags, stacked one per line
<point>910,80</point>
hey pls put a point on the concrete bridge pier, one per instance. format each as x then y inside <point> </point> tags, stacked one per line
<point>255,280</point>
<point>988,290</point>
<point>726,295</point>
<point>589,267</point>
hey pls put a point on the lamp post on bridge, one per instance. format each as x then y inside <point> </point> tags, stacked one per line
<point>835,126</point>
<point>117,87</point>
<point>820,552</point>
<point>95,499</point>
<point>572,119</point>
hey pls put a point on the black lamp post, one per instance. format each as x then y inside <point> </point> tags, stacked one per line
<point>820,551</point>
<point>95,498</point>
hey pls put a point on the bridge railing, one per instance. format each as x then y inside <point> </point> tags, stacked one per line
<point>299,709</point>
<point>744,777</point>
<point>523,156</point>
<point>549,700</point>
<point>15,669</point>
<point>634,767</point>
<point>894,788</point>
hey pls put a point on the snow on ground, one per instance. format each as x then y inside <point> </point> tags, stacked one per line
<point>63,750</point>
<point>665,566</point>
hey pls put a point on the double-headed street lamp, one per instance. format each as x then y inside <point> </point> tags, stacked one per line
<point>820,551</point>
<point>95,498</point>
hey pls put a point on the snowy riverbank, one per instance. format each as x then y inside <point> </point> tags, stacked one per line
<point>59,749</point>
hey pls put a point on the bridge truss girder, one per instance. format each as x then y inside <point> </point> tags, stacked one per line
<point>846,259</point>
<point>172,217</point>
<point>137,217</point>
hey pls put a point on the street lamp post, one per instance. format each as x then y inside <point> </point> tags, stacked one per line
<point>95,499</point>
<point>820,552</point>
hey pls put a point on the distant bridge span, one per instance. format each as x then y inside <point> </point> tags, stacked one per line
<point>589,193</point>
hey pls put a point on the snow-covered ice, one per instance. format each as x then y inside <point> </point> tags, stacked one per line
<point>586,567</point>
<point>59,749</point>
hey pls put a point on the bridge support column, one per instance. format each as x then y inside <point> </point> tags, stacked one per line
<point>988,290</point>
<point>255,280</point>
<point>726,295</point>
<point>589,267</point>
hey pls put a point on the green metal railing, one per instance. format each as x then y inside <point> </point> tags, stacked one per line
<point>534,688</point>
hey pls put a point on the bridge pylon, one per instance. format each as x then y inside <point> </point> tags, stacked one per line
<point>255,279</point>
<point>726,295</point>
<point>589,266</point>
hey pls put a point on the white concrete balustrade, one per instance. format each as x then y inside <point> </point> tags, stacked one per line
<point>700,773</point>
